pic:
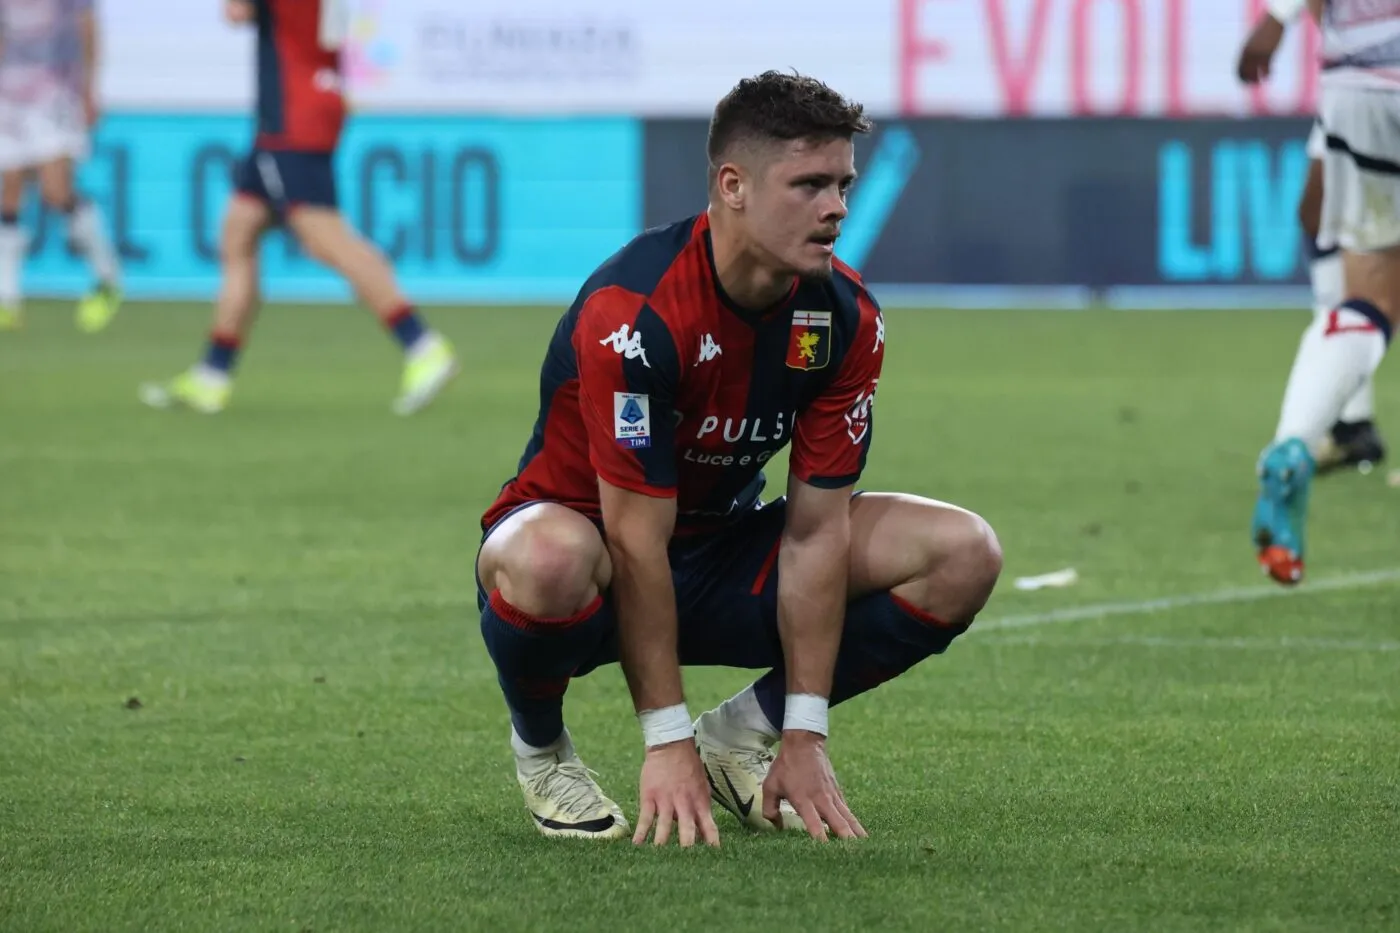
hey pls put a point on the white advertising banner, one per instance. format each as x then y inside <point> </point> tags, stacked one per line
<point>1171,58</point>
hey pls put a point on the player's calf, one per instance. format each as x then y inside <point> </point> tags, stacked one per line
<point>920,572</point>
<point>87,231</point>
<point>541,575</point>
<point>430,360</point>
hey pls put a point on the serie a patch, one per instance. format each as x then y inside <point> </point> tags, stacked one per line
<point>632,419</point>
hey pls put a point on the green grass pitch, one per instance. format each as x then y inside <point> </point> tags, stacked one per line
<point>286,591</point>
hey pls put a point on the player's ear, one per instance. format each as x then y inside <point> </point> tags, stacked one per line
<point>731,185</point>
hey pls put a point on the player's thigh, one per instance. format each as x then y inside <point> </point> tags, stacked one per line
<point>12,189</point>
<point>1310,201</point>
<point>898,539</point>
<point>245,221</point>
<point>545,559</point>
<point>56,182</point>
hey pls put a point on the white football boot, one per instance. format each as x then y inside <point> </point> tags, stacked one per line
<point>563,798</point>
<point>736,763</point>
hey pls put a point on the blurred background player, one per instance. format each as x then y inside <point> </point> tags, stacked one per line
<point>1360,117</point>
<point>288,178</point>
<point>48,103</point>
<point>1353,439</point>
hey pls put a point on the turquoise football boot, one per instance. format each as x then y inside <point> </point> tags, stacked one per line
<point>1285,469</point>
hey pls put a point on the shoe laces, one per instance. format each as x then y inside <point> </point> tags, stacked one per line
<point>755,761</point>
<point>569,785</point>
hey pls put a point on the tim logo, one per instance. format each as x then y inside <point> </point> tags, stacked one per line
<point>632,419</point>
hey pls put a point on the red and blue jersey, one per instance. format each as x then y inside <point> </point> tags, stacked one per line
<point>301,102</point>
<point>657,383</point>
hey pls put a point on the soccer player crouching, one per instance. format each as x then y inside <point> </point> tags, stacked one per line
<point>633,530</point>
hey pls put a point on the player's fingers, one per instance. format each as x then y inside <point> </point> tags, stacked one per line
<point>644,820</point>
<point>708,830</point>
<point>685,824</point>
<point>810,818</point>
<point>771,795</point>
<point>850,818</point>
<point>829,809</point>
<point>665,816</point>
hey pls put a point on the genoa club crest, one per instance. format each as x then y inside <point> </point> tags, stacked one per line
<point>809,343</point>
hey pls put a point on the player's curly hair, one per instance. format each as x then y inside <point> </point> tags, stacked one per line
<point>777,106</point>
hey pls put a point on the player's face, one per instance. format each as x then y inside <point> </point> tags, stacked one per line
<point>797,209</point>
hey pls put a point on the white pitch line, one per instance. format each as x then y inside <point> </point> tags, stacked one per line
<point>1186,600</point>
<point>1239,644</point>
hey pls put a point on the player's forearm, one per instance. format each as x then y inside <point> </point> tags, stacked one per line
<point>645,602</point>
<point>812,577</point>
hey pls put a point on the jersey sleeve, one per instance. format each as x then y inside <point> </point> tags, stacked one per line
<point>628,373</point>
<point>833,434</point>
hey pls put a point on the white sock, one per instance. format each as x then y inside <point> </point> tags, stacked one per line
<point>14,243</point>
<point>88,230</point>
<point>1362,405</point>
<point>741,713</point>
<point>1329,290</point>
<point>1338,353</point>
<point>561,747</point>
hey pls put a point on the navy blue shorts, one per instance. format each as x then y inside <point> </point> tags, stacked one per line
<point>285,179</point>
<point>726,594</point>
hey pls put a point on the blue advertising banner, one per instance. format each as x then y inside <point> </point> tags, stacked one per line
<point>468,209</point>
<point>1071,212</point>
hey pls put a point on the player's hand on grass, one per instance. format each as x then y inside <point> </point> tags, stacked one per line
<point>802,776</point>
<point>674,791</point>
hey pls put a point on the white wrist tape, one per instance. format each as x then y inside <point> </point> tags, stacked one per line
<point>669,724</point>
<point>805,711</point>
<point>1285,11</point>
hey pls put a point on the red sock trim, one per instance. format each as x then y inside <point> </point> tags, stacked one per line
<point>225,339</point>
<point>919,615</point>
<point>523,620</point>
<point>1335,325</point>
<point>398,314</point>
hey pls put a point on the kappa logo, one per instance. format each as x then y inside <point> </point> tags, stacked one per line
<point>628,343</point>
<point>708,350</point>
<point>879,331</point>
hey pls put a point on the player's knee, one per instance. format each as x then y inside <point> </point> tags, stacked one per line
<point>980,558</point>
<point>965,564</point>
<point>552,569</point>
<point>238,244</point>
